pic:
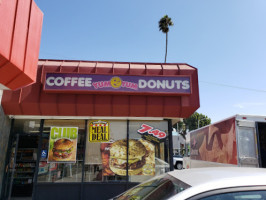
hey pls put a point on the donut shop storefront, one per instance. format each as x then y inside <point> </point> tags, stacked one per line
<point>91,130</point>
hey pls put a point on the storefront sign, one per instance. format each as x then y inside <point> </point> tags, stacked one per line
<point>151,134</point>
<point>174,85</point>
<point>63,144</point>
<point>99,131</point>
<point>141,158</point>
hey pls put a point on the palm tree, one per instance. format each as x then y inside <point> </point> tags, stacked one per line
<point>164,24</point>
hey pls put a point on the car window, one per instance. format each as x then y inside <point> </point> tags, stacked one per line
<point>243,195</point>
<point>178,156</point>
<point>156,189</point>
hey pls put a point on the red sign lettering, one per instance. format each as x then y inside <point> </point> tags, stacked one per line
<point>155,132</point>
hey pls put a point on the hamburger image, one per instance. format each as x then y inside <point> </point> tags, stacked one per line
<point>62,149</point>
<point>118,157</point>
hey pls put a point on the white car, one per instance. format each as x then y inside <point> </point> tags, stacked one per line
<point>216,183</point>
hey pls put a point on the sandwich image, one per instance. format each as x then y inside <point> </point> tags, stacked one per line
<point>118,157</point>
<point>62,149</point>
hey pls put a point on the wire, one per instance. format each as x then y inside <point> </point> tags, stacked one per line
<point>211,83</point>
<point>232,86</point>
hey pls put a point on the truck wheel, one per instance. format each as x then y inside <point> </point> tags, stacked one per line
<point>179,166</point>
<point>175,166</point>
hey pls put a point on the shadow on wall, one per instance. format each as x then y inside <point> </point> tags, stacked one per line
<point>4,136</point>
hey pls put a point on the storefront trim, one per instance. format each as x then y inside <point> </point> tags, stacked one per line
<point>85,190</point>
<point>84,117</point>
<point>33,100</point>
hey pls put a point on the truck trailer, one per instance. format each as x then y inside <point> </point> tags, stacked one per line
<point>239,140</point>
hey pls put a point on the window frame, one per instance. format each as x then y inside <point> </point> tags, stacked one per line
<point>167,147</point>
<point>227,190</point>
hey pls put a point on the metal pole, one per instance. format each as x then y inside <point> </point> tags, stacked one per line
<point>84,157</point>
<point>198,122</point>
<point>127,178</point>
<point>170,140</point>
<point>35,178</point>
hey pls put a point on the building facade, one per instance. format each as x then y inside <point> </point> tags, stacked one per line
<point>91,130</point>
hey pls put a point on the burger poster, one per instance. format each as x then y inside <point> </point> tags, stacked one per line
<point>63,144</point>
<point>141,158</point>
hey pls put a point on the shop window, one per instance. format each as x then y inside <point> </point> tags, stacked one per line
<point>107,160</point>
<point>107,151</point>
<point>61,158</point>
<point>25,126</point>
<point>99,157</point>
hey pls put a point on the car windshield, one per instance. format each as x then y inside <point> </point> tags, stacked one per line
<point>159,188</point>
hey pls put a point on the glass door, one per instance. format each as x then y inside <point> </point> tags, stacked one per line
<point>21,167</point>
<point>26,157</point>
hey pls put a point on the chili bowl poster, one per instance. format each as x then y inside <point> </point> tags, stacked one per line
<point>141,158</point>
<point>63,144</point>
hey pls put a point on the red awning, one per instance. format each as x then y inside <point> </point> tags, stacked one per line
<point>33,100</point>
<point>20,36</point>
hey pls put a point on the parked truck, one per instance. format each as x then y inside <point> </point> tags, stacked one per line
<point>236,141</point>
<point>178,161</point>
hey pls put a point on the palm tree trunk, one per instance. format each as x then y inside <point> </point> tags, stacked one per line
<point>166,41</point>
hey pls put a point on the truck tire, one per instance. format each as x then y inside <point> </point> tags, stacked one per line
<point>178,165</point>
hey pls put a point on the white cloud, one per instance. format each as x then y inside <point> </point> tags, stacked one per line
<point>249,104</point>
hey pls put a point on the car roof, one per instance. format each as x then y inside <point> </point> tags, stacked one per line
<point>212,178</point>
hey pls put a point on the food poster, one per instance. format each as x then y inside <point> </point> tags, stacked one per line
<point>99,131</point>
<point>141,158</point>
<point>114,130</point>
<point>63,144</point>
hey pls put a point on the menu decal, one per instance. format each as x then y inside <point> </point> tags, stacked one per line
<point>99,131</point>
<point>152,134</point>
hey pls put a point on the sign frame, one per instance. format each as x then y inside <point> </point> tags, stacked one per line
<point>118,84</point>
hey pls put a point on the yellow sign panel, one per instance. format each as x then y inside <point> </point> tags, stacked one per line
<point>99,131</point>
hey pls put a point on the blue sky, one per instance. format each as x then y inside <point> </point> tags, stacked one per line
<point>225,40</point>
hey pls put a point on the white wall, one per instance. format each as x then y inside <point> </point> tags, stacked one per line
<point>177,141</point>
<point>1,94</point>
